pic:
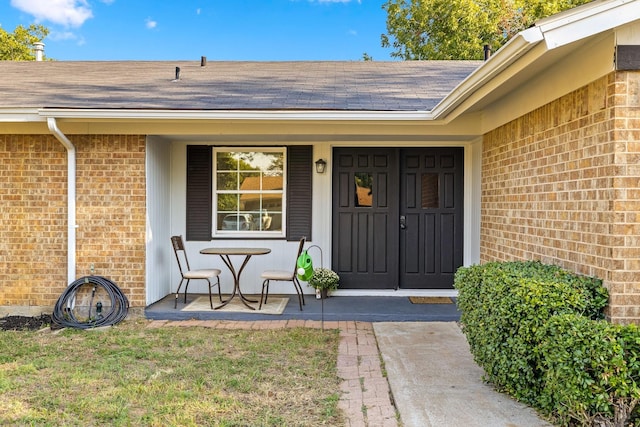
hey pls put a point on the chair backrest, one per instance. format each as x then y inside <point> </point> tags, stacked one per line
<point>303,239</point>
<point>181,253</point>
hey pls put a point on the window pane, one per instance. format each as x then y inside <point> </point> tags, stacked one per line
<point>430,198</point>
<point>269,219</point>
<point>227,202</point>
<point>236,222</point>
<point>226,162</point>
<point>364,189</point>
<point>227,181</point>
<point>249,181</point>
<point>272,182</point>
<point>260,161</point>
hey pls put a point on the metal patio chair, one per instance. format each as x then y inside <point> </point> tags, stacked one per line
<point>188,274</point>
<point>283,276</point>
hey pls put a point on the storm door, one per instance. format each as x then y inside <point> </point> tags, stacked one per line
<point>397,217</point>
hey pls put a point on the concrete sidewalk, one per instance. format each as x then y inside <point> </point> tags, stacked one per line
<point>435,382</point>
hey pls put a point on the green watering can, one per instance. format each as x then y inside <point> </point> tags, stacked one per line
<point>305,267</point>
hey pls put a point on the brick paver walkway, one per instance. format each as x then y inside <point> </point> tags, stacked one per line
<point>366,397</point>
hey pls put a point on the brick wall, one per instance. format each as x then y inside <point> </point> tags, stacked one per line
<point>33,220</point>
<point>562,185</point>
<point>110,214</point>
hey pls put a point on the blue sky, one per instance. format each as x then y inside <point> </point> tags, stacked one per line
<point>260,30</point>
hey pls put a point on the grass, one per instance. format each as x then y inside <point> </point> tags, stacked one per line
<point>173,376</point>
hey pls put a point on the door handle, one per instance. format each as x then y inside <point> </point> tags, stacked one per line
<point>403,222</point>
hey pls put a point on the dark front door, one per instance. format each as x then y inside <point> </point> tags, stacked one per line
<point>365,213</point>
<point>397,217</point>
<point>431,217</point>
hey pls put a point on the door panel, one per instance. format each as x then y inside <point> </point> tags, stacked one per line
<point>365,244</point>
<point>431,200</point>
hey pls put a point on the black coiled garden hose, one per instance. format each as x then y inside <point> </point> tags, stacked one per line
<point>63,315</point>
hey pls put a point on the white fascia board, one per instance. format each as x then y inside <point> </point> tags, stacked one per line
<point>275,115</point>
<point>20,115</point>
<point>581,22</point>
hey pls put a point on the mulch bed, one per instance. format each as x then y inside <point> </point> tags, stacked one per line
<point>24,323</point>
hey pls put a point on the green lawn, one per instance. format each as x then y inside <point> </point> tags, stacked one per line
<point>131,375</point>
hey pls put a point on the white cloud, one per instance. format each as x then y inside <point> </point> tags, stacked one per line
<point>150,23</point>
<point>62,35</point>
<point>67,36</point>
<point>70,13</point>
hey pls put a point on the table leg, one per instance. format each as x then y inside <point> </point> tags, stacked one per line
<point>242,297</point>
<point>236,282</point>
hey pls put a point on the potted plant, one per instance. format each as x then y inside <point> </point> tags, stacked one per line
<point>324,280</point>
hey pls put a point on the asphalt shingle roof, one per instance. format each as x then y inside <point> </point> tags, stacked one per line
<point>304,85</point>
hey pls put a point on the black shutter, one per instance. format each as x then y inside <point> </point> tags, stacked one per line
<point>300,170</point>
<point>199,215</point>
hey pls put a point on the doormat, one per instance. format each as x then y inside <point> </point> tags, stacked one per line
<point>274,305</point>
<point>430,300</point>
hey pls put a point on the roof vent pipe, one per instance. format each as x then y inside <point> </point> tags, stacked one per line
<point>487,52</point>
<point>177,73</point>
<point>203,61</point>
<point>39,48</point>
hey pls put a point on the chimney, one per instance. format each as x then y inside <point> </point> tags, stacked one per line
<point>39,48</point>
<point>203,61</point>
<point>487,52</point>
<point>177,73</point>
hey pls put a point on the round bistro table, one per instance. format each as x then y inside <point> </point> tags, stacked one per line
<point>226,254</point>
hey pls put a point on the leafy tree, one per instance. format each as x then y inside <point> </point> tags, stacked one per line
<point>459,29</point>
<point>19,45</point>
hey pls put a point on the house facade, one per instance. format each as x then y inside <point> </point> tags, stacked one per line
<point>532,154</point>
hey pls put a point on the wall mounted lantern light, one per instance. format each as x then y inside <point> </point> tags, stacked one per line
<point>321,165</point>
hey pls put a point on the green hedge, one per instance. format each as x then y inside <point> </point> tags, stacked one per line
<point>591,370</point>
<point>538,332</point>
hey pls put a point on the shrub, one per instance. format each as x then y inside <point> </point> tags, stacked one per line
<point>505,306</point>
<point>591,369</point>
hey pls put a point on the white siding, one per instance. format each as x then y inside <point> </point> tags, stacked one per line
<point>159,252</point>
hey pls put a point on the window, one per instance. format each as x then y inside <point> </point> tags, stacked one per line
<point>364,189</point>
<point>201,211</point>
<point>249,189</point>
<point>430,199</point>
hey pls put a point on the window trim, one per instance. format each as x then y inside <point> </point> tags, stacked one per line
<point>240,234</point>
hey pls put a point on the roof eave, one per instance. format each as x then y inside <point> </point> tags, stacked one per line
<point>531,44</point>
<point>272,115</point>
<point>485,78</point>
